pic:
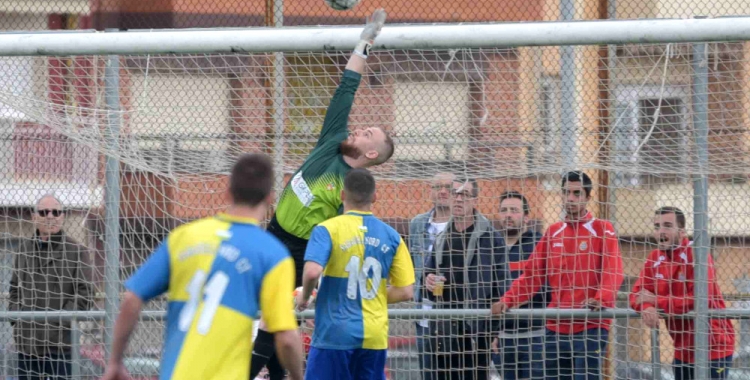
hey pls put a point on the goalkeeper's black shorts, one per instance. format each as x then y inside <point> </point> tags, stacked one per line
<point>294,244</point>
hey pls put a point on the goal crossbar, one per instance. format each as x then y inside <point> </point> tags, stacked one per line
<point>330,38</point>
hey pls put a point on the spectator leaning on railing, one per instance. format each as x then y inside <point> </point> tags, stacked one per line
<point>666,284</point>
<point>579,258</point>
<point>521,337</point>
<point>51,272</point>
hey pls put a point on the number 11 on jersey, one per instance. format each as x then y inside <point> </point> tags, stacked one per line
<point>214,292</point>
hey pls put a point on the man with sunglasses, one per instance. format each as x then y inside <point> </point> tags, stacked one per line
<point>51,272</point>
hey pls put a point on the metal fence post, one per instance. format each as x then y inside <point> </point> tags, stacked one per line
<point>75,349</point>
<point>568,93</point>
<point>655,355</point>
<point>112,200</point>
<point>279,105</point>
<point>700,208</point>
<point>7,371</point>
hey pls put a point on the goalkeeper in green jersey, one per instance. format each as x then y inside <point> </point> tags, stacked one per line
<point>313,194</point>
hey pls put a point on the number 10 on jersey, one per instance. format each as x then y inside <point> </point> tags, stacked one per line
<point>358,277</point>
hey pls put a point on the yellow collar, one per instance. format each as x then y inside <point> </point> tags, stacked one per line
<point>236,219</point>
<point>356,212</point>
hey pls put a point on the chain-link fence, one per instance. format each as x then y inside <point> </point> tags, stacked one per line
<point>512,118</point>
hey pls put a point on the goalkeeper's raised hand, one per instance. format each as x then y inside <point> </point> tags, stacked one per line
<point>373,26</point>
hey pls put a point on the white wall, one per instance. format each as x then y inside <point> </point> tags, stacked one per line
<point>635,9</point>
<point>710,8</point>
<point>728,204</point>
<point>181,122</point>
<point>431,112</point>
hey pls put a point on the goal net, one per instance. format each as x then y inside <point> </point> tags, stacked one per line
<point>510,118</point>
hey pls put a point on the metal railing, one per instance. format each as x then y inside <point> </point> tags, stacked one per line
<point>401,313</point>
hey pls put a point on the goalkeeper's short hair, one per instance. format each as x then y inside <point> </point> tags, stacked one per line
<point>386,152</point>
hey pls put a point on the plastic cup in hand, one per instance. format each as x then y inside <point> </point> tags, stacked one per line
<point>437,291</point>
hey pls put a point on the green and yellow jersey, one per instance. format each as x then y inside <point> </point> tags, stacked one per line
<point>313,194</point>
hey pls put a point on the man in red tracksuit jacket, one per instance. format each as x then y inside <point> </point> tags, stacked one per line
<point>579,258</point>
<point>666,285</point>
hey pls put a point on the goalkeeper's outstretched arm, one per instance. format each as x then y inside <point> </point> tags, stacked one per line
<point>336,120</point>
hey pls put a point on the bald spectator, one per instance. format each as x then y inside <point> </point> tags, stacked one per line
<point>423,230</point>
<point>51,272</point>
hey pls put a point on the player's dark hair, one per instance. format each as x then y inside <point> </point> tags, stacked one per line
<point>359,186</point>
<point>579,176</point>
<point>516,195</point>
<point>387,152</point>
<point>472,181</point>
<point>679,215</point>
<point>252,179</point>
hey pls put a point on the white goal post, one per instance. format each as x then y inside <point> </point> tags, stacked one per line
<point>436,36</point>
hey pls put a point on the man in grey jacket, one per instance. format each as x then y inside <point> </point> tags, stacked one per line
<point>462,273</point>
<point>423,230</point>
<point>51,272</point>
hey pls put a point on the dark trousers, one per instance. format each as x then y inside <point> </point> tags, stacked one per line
<point>264,350</point>
<point>514,360</point>
<point>424,357</point>
<point>296,246</point>
<point>572,356</point>
<point>719,369</point>
<point>467,358</point>
<point>55,367</point>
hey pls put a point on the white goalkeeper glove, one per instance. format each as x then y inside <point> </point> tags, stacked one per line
<point>372,29</point>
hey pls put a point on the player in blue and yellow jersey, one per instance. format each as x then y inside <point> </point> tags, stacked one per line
<point>357,254</point>
<point>312,194</point>
<point>219,274</point>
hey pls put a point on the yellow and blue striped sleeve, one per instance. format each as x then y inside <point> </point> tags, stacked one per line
<point>276,302</point>
<point>402,269</point>
<point>319,246</point>
<point>152,278</point>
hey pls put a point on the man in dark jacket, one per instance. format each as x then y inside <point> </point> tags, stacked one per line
<point>521,336</point>
<point>51,272</point>
<point>463,273</point>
